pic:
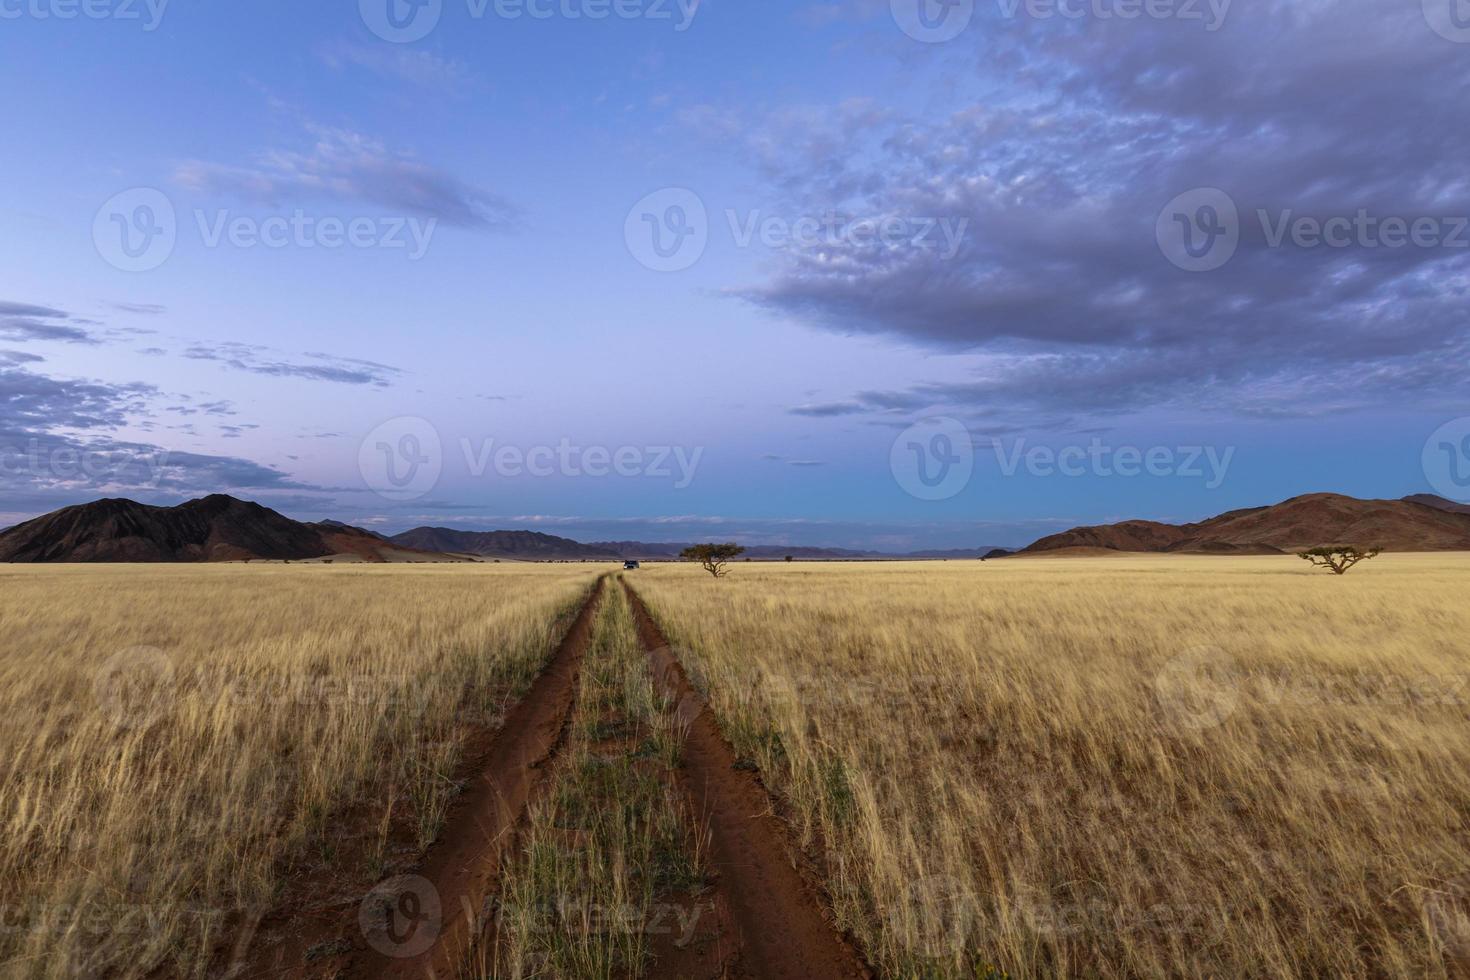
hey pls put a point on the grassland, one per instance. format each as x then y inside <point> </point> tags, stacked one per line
<point>1117,767</point>
<point>173,739</point>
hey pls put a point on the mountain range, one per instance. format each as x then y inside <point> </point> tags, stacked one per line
<point>223,528</point>
<point>1420,523</point>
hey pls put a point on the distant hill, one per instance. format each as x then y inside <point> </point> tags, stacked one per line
<point>211,529</point>
<point>1294,525</point>
<point>519,545</point>
<point>775,552</point>
<point>1438,503</point>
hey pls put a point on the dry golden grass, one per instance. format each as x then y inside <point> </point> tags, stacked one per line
<point>170,737</point>
<point>1115,767</point>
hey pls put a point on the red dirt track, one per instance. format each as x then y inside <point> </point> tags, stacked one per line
<point>784,931</point>
<point>463,864</point>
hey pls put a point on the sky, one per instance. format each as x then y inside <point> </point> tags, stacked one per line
<point>880,274</point>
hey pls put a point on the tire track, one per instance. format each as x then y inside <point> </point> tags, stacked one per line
<point>464,864</point>
<point>784,931</point>
<point>423,925</point>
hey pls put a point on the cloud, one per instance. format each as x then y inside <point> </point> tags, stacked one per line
<point>1061,150</point>
<point>143,309</point>
<point>58,446</point>
<point>417,67</point>
<point>828,410</point>
<point>256,359</point>
<point>25,321</point>
<point>345,167</point>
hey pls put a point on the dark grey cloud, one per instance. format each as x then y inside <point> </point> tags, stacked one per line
<point>342,166</point>
<point>58,445</point>
<point>30,310</point>
<point>27,321</point>
<point>1061,144</point>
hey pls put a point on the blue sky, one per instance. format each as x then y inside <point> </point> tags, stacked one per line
<point>964,227</point>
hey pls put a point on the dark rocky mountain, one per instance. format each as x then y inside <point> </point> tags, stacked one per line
<point>214,528</point>
<point>1297,524</point>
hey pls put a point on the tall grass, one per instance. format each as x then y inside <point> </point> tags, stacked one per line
<point>1133,767</point>
<point>171,737</point>
<point>609,858</point>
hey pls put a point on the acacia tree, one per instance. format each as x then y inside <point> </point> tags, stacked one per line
<point>712,556</point>
<point>1339,558</point>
